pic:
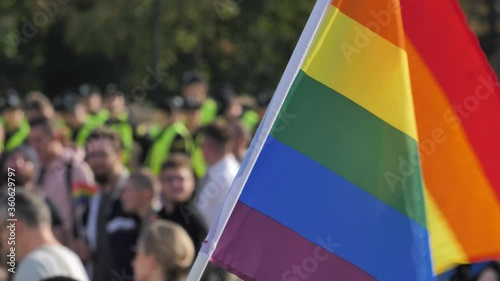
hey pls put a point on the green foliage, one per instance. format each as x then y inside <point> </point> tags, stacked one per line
<point>244,42</point>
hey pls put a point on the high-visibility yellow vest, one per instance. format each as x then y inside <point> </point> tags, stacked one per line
<point>98,118</point>
<point>208,112</point>
<point>18,138</point>
<point>197,159</point>
<point>126,132</point>
<point>250,119</point>
<point>160,150</point>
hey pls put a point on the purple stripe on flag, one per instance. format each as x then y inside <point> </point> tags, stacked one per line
<point>252,239</point>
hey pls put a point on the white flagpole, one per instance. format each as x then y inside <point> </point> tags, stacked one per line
<point>291,71</point>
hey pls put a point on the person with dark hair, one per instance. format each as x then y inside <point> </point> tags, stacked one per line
<point>13,120</point>
<point>75,117</point>
<point>38,106</point>
<point>229,106</point>
<point>63,174</point>
<point>36,248</point>
<point>23,161</point>
<point>178,186</point>
<point>111,232</point>
<point>120,120</point>
<point>141,196</point>
<point>195,88</point>
<point>92,99</point>
<point>164,253</point>
<point>174,137</point>
<point>240,135</point>
<point>222,169</point>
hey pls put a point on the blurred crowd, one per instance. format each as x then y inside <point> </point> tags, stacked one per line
<point>102,193</point>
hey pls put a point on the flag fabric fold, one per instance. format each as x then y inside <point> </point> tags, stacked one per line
<point>370,169</point>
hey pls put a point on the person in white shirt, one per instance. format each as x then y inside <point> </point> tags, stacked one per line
<point>222,169</point>
<point>38,254</point>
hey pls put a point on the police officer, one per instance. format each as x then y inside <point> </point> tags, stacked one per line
<point>120,120</point>
<point>13,120</point>
<point>75,117</point>
<point>174,137</point>
<point>192,113</point>
<point>92,99</point>
<point>195,88</point>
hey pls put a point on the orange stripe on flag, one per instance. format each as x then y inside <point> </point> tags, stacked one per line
<point>452,173</point>
<point>380,16</point>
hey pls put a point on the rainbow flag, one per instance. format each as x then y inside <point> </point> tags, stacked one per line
<point>366,166</point>
<point>82,193</point>
<point>456,99</point>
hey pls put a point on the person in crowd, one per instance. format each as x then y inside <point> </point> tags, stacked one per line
<point>75,117</point>
<point>63,174</point>
<point>178,185</point>
<point>164,253</point>
<point>174,137</point>
<point>92,99</point>
<point>110,231</point>
<point>23,161</point>
<point>263,100</point>
<point>40,254</point>
<point>191,112</point>
<point>38,106</point>
<point>120,119</point>
<point>228,107</point>
<point>195,88</point>
<point>241,137</point>
<point>222,169</point>
<point>141,196</point>
<point>13,120</point>
<point>250,118</point>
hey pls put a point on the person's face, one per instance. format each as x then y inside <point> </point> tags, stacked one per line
<point>94,102</point>
<point>131,197</point>
<point>234,111</point>
<point>207,147</point>
<point>102,158</point>
<point>177,184</point>
<point>76,118</point>
<point>192,117</point>
<point>115,103</point>
<point>195,91</point>
<point>40,141</point>
<point>25,168</point>
<point>144,264</point>
<point>13,117</point>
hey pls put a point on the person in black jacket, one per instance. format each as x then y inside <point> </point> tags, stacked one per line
<point>111,232</point>
<point>178,186</point>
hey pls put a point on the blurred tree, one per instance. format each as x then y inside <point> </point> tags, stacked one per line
<point>56,44</point>
<point>245,42</point>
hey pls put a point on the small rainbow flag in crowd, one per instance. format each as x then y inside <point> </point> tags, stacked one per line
<point>378,156</point>
<point>82,193</point>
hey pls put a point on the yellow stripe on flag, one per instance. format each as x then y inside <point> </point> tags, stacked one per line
<point>365,68</point>
<point>445,248</point>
